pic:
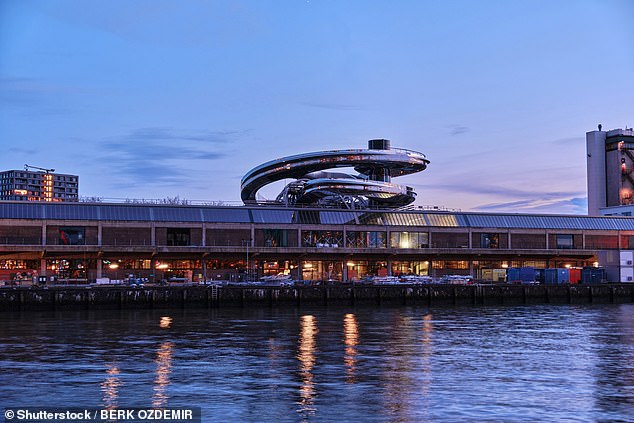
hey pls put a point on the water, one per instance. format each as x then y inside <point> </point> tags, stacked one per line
<point>529,363</point>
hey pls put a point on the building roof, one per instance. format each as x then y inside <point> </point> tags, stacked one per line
<point>274,215</point>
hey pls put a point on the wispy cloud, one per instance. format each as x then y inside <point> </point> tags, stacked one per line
<point>458,129</point>
<point>33,97</point>
<point>575,205</point>
<point>495,190</point>
<point>165,156</point>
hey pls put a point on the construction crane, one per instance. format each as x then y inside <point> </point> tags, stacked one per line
<point>27,167</point>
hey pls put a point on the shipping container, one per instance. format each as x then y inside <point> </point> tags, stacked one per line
<point>486,274</point>
<point>539,275</point>
<point>593,275</point>
<point>513,275</point>
<point>527,274</point>
<point>575,275</point>
<point>499,275</point>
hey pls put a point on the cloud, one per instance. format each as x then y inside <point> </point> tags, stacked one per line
<point>458,129</point>
<point>495,190</point>
<point>33,97</point>
<point>164,156</point>
<point>575,205</point>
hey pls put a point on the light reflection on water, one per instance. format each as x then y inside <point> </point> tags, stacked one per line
<point>537,363</point>
<point>350,339</point>
<point>163,369</point>
<point>110,387</point>
<point>306,357</point>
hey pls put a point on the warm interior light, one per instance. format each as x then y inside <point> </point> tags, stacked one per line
<point>162,266</point>
<point>114,266</point>
<point>505,266</point>
<point>308,265</point>
<point>567,266</point>
<point>350,264</point>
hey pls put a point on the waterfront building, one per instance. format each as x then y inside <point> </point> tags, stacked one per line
<point>324,226</point>
<point>81,242</point>
<point>610,166</point>
<point>38,184</point>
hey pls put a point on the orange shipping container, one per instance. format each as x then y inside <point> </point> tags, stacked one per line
<point>575,275</point>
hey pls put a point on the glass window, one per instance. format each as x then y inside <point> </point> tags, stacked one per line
<point>322,239</point>
<point>564,241</point>
<point>74,235</point>
<point>272,237</point>
<point>366,239</point>
<point>489,240</point>
<point>409,240</point>
<point>178,236</point>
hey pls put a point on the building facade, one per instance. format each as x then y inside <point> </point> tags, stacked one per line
<point>610,166</point>
<point>26,185</point>
<point>81,242</point>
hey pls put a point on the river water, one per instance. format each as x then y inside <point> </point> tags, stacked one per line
<point>408,364</point>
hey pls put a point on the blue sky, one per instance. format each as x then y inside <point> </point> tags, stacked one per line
<point>155,99</point>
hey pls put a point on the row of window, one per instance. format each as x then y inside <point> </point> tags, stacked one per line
<point>238,269</point>
<point>8,176</point>
<point>81,235</point>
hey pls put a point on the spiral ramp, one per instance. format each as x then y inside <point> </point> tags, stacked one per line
<point>314,184</point>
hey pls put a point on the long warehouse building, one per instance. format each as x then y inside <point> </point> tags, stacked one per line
<point>80,242</point>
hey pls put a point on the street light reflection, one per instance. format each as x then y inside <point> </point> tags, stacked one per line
<point>110,387</point>
<point>306,356</point>
<point>163,362</point>
<point>351,339</point>
<point>165,322</point>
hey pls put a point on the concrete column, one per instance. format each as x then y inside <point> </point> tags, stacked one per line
<point>153,235</point>
<point>345,271</point>
<point>43,234</point>
<point>252,240</point>
<point>389,267</point>
<point>470,241</point>
<point>204,237</point>
<point>429,239</point>
<point>99,268</point>
<point>509,240</point>
<point>204,264</point>
<point>153,269</point>
<point>547,241</point>
<point>100,235</point>
<point>43,267</point>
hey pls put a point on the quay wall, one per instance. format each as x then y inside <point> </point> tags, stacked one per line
<point>122,297</point>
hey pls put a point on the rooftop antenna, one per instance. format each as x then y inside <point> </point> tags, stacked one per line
<point>600,126</point>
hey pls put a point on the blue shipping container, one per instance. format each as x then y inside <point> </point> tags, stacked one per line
<point>593,275</point>
<point>513,274</point>
<point>527,274</point>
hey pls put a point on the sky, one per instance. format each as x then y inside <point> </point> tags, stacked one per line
<point>157,99</point>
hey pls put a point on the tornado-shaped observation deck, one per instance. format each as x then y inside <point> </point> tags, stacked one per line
<point>315,184</point>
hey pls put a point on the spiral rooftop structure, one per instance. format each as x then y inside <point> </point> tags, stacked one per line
<point>315,184</point>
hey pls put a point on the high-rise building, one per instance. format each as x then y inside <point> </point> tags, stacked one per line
<point>610,165</point>
<point>43,185</point>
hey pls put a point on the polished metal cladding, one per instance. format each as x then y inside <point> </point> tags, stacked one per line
<point>376,166</point>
